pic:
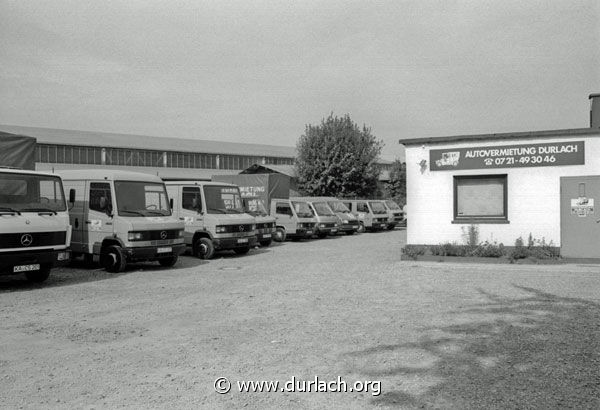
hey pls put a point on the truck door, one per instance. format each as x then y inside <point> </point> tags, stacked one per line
<point>285,216</point>
<point>579,226</point>
<point>99,221</point>
<point>190,211</point>
<point>77,216</point>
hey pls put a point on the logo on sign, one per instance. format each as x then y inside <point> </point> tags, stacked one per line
<point>26,239</point>
<point>163,235</point>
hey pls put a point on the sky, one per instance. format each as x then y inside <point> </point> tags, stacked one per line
<point>260,71</point>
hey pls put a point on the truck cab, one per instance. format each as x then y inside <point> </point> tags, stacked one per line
<point>214,217</point>
<point>294,219</point>
<point>119,217</point>
<point>371,214</point>
<point>327,221</point>
<point>265,224</point>
<point>395,213</point>
<point>347,222</point>
<point>34,224</point>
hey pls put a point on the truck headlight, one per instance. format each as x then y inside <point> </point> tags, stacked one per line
<point>180,233</point>
<point>134,236</point>
<point>322,225</point>
<point>220,229</point>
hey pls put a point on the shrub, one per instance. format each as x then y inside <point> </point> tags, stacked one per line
<point>536,248</point>
<point>412,251</point>
<point>489,250</point>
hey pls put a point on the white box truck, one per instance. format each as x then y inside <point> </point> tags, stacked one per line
<point>34,223</point>
<point>120,217</point>
<point>214,217</point>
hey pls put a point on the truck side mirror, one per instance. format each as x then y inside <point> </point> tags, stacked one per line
<point>72,196</point>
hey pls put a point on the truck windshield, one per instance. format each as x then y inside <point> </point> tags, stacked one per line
<point>337,206</point>
<point>31,193</point>
<point>302,210</point>
<point>322,209</point>
<point>378,207</point>
<point>138,198</point>
<point>255,207</point>
<point>223,200</point>
<point>392,205</point>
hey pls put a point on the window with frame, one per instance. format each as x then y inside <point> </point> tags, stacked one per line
<point>362,207</point>
<point>283,209</point>
<point>480,199</point>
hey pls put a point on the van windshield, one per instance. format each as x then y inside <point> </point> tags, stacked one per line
<point>223,199</point>
<point>337,206</point>
<point>255,207</point>
<point>302,210</point>
<point>378,207</point>
<point>31,193</point>
<point>392,205</point>
<point>138,198</point>
<point>322,209</point>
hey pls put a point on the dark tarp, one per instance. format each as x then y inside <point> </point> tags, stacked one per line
<point>17,151</point>
<point>264,186</point>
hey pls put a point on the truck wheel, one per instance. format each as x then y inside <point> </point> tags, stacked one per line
<point>265,243</point>
<point>280,234</point>
<point>361,227</point>
<point>241,251</point>
<point>113,259</point>
<point>204,248</point>
<point>168,262</point>
<point>38,276</point>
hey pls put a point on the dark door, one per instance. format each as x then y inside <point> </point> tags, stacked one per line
<point>579,226</point>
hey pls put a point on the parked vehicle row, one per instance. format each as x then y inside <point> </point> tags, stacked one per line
<point>115,217</point>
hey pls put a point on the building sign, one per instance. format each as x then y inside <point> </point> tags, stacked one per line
<point>582,206</point>
<point>508,156</point>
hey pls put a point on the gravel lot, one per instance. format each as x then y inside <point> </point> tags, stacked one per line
<point>436,335</point>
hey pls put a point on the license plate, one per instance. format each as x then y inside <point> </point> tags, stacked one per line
<point>266,235</point>
<point>334,230</point>
<point>26,268</point>
<point>242,240</point>
<point>309,232</point>
<point>164,250</point>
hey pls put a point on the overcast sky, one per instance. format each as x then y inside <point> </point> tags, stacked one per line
<point>259,71</point>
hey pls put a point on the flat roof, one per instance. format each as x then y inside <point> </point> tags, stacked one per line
<point>106,174</point>
<point>131,141</point>
<point>574,132</point>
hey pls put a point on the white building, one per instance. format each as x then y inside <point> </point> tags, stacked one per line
<point>543,183</point>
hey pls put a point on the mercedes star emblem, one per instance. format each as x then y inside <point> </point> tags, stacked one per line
<point>163,235</point>
<point>26,239</point>
<point>241,228</point>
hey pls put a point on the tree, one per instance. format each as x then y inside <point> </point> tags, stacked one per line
<point>337,158</point>
<point>396,188</point>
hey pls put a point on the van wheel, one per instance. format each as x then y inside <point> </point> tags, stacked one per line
<point>38,276</point>
<point>361,227</point>
<point>168,262</point>
<point>113,259</point>
<point>280,235</point>
<point>265,243</point>
<point>204,248</point>
<point>241,251</point>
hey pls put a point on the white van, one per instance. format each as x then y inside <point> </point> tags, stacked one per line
<point>214,217</point>
<point>34,224</point>
<point>120,217</point>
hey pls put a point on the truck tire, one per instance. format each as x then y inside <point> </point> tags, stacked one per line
<point>113,259</point>
<point>265,243</point>
<point>204,248</point>
<point>241,251</point>
<point>38,276</point>
<point>361,227</point>
<point>280,234</point>
<point>168,262</point>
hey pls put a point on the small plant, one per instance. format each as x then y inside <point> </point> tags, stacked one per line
<point>489,250</point>
<point>519,251</point>
<point>413,251</point>
<point>536,248</point>
<point>471,235</point>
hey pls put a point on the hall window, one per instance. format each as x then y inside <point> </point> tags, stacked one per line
<point>480,199</point>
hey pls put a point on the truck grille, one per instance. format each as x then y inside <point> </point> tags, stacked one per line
<point>381,220</point>
<point>265,225</point>
<point>158,235</point>
<point>329,225</point>
<point>32,239</point>
<point>238,228</point>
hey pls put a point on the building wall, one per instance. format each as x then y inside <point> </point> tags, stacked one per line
<point>533,195</point>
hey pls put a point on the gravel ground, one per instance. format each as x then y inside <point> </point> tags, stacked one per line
<point>435,335</point>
